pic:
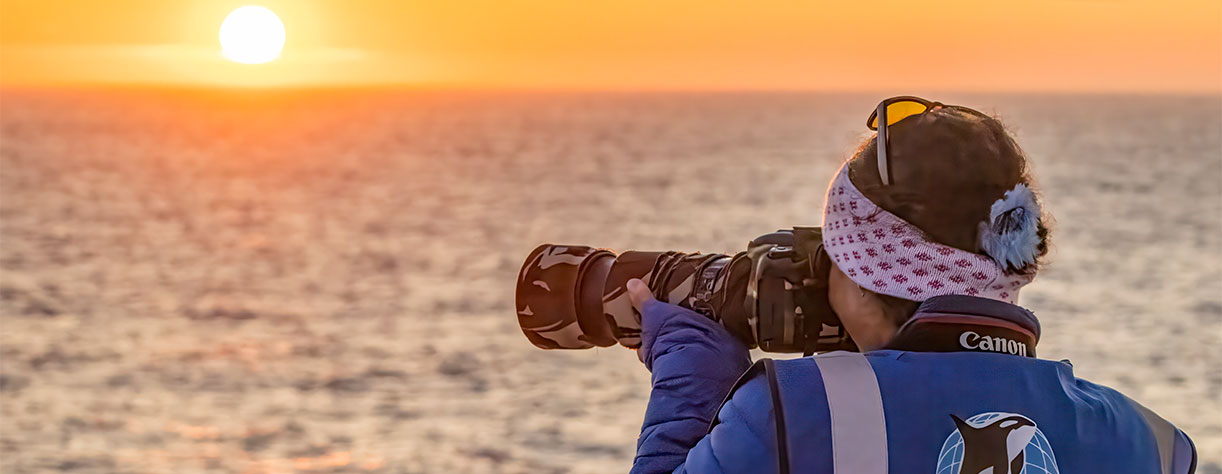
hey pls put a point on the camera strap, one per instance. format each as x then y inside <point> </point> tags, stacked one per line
<point>940,332</point>
<point>778,412</point>
<point>768,367</point>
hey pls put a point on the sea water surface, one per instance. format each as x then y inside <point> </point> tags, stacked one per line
<point>254,281</point>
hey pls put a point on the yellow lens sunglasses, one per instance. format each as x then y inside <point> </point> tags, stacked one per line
<point>889,112</point>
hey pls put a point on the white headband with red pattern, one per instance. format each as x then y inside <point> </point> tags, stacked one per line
<point>885,254</point>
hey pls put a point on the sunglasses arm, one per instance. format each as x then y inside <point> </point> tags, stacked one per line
<point>881,144</point>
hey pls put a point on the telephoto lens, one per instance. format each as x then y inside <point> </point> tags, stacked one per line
<point>772,296</point>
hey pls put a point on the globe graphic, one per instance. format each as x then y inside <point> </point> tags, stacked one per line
<point>1038,453</point>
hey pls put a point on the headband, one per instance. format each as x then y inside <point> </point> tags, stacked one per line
<point>885,254</point>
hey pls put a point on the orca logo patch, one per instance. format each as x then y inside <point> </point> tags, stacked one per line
<point>996,443</point>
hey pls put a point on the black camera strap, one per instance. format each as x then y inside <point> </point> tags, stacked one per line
<point>782,440</point>
<point>934,332</point>
<point>768,367</point>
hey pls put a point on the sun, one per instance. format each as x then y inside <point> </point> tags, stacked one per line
<point>252,35</point>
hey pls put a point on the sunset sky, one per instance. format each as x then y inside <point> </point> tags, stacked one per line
<point>970,45</point>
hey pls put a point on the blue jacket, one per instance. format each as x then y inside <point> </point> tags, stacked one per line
<point>975,407</point>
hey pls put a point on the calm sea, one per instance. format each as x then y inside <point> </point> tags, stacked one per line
<point>263,282</point>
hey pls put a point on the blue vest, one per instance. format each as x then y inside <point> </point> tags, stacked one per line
<point>972,401</point>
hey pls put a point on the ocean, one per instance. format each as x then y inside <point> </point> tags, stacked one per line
<point>246,281</point>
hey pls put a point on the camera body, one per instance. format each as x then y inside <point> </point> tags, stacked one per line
<point>772,296</point>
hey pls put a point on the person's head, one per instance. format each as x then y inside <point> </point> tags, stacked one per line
<point>948,167</point>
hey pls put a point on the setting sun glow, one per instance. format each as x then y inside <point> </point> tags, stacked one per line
<point>993,46</point>
<point>252,35</point>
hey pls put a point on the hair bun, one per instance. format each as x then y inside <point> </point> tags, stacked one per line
<point>1010,236</point>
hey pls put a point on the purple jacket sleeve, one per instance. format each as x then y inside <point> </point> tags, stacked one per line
<point>694,362</point>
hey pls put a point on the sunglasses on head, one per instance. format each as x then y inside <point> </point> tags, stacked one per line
<point>892,111</point>
<point>889,112</point>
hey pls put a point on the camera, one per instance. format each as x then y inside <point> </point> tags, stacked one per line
<point>773,296</point>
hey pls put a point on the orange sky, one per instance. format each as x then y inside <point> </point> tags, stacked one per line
<point>909,46</point>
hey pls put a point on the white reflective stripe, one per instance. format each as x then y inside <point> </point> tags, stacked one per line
<point>1164,435</point>
<point>859,427</point>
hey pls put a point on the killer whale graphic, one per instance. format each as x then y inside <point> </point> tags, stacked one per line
<point>996,447</point>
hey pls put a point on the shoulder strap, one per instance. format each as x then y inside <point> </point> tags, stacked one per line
<point>782,440</point>
<point>1165,435</point>
<point>742,379</point>
<point>768,367</point>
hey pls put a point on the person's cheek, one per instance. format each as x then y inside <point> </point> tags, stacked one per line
<point>844,297</point>
<point>837,289</point>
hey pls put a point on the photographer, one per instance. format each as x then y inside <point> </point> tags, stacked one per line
<point>933,230</point>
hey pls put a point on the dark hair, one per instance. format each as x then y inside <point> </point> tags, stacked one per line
<point>948,166</point>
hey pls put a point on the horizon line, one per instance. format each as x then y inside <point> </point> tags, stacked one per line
<point>101,86</point>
